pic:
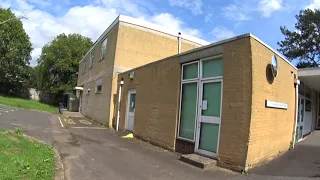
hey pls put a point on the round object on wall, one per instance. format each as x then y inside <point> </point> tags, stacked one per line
<point>274,66</point>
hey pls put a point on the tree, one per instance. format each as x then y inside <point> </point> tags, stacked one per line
<point>59,63</point>
<point>304,42</point>
<point>15,49</point>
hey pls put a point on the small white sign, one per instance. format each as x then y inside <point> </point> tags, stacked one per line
<point>204,105</point>
<point>274,104</point>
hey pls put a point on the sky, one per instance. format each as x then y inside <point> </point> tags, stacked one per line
<point>211,20</point>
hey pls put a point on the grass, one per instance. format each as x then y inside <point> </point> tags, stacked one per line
<point>26,104</point>
<point>22,158</point>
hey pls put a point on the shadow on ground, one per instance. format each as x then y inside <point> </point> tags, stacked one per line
<point>302,161</point>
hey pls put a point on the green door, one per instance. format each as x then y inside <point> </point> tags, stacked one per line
<point>209,118</point>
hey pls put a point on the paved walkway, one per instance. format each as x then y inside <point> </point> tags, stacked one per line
<point>302,161</point>
<point>92,153</point>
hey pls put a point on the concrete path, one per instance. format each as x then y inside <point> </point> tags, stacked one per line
<point>91,152</point>
<point>303,161</point>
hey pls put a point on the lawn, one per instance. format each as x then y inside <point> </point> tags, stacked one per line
<point>21,158</point>
<point>27,104</point>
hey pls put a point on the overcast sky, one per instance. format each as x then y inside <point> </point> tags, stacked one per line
<point>211,20</point>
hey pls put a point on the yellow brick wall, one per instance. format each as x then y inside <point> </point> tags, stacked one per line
<point>236,104</point>
<point>137,46</point>
<point>128,47</point>
<point>96,106</point>
<point>271,130</point>
<point>157,101</point>
<point>99,66</point>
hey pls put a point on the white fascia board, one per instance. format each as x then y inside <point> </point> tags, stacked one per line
<point>309,72</point>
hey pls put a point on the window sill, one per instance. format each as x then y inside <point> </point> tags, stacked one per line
<point>98,93</point>
<point>187,140</point>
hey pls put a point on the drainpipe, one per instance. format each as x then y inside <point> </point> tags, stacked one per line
<point>179,42</point>
<point>119,101</point>
<point>296,87</point>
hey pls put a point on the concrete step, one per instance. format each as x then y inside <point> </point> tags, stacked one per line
<point>198,161</point>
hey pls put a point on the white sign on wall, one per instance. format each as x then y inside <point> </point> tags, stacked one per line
<point>274,104</point>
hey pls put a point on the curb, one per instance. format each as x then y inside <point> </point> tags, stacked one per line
<point>59,168</point>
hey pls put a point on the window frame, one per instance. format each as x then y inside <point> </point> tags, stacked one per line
<point>91,59</point>
<point>103,49</point>
<point>197,80</point>
<point>201,67</point>
<point>186,64</point>
<point>84,68</point>
<point>187,81</point>
<point>97,84</point>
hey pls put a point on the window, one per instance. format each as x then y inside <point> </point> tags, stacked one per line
<point>91,58</point>
<point>212,68</point>
<point>89,88</point>
<point>189,98</point>
<point>308,105</point>
<point>99,85</point>
<point>301,88</point>
<point>84,68</point>
<point>308,92</point>
<point>103,49</point>
<point>188,110</point>
<point>190,71</point>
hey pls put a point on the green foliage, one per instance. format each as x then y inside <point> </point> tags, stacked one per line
<point>27,104</point>
<point>21,158</point>
<point>59,63</point>
<point>15,49</point>
<point>304,42</point>
<point>18,131</point>
<point>303,64</point>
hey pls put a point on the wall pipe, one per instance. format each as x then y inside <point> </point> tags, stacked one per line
<point>179,42</point>
<point>296,85</point>
<point>119,102</point>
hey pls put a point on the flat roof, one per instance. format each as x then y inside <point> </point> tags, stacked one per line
<point>310,77</point>
<point>315,71</point>
<point>148,25</point>
<point>216,44</point>
<point>240,37</point>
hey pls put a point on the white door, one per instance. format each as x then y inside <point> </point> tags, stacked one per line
<point>307,126</point>
<point>209,118</point>
<point>131,109</point>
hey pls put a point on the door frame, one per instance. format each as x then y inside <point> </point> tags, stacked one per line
<point>130,91</point>
<point>299,124</point>
<point>198,121</point>
<point>304,118</point>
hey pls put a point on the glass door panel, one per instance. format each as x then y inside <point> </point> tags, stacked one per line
<point>209,119</point>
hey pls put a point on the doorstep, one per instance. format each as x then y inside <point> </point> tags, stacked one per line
<point>198,161</point>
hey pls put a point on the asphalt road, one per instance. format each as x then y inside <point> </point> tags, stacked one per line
<point>90,152</point>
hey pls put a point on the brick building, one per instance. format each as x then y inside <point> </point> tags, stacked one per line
<point>127,43</point>
<point>222,100</point>
<point>236,100</point>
